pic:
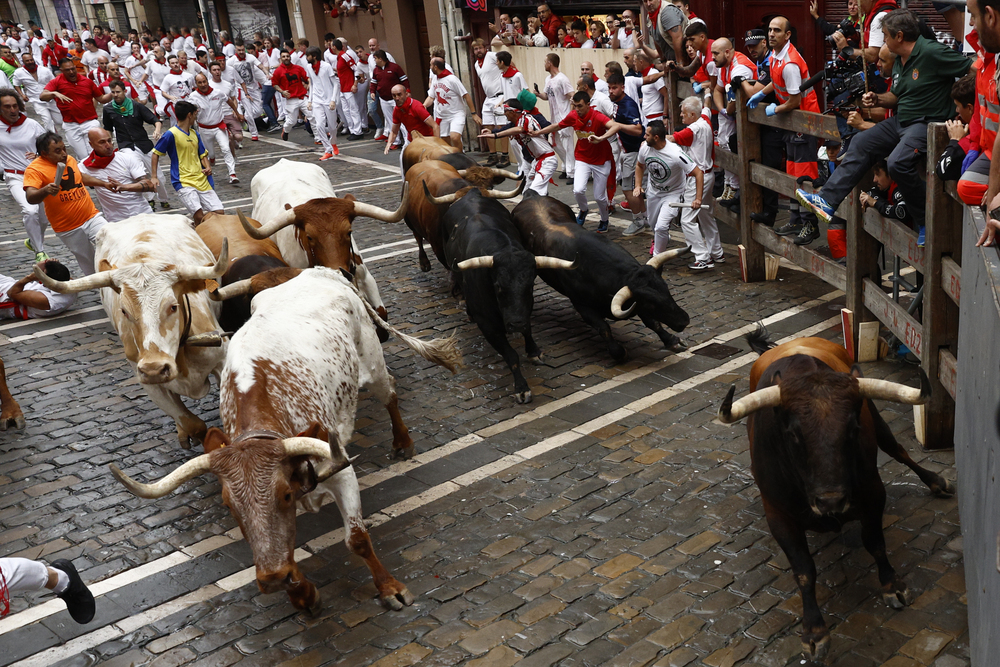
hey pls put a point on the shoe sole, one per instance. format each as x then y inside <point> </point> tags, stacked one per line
<point>818,212</point>
<point>803,242</point>
<point>791,232</point>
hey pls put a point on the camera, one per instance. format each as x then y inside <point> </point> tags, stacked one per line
<point>844,75</point>
<point>847,28</point>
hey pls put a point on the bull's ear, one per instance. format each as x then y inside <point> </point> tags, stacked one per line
<point>215,439</point>
<point>776,378</point>
<point>192,286</point>
<point>314,430</point>
<point>856,371</point>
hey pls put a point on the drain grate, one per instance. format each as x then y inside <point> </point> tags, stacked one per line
<point>718,351</point>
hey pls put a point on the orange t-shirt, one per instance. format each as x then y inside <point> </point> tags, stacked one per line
<point>72,206</point>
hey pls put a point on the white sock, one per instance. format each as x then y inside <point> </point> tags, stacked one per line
<point>63,582</point>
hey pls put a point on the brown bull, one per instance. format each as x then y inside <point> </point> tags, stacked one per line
<point>422,148</point>
<point>10,412</point>
<point>423,217</point>
<point>814,439</point>
<point>215,227</point>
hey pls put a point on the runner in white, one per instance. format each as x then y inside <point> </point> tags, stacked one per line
<point>669,169</point>
<point>654,95</point>
<point>89,59</point>
<point>157,68</point>
<point>17,150</point>
<point>177,85</point>
<point>489,77</point>
<point>125,170</point>
<point>189,64</point>
<point>31,80</point>
<point>212,105</point>
<point>373,46</point>
<point>544,162</point>
<point>559,93</point>
<point>28,299</point>
<point>243,65</point>
<point>233,118</point>
<point>365,65</point>
<point>119,48</point>
<point>449,94</point>
<point>322,103</point>
<point>136,73</point>
<point>228,48</point>
<point>347,75</point>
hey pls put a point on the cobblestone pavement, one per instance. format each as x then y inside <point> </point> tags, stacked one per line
<point>612,521</point>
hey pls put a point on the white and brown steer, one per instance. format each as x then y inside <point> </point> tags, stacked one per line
<point>288,399</point>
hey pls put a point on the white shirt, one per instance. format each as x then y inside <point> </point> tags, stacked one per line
<point>489,75</point>
<point>126,167</point>
<point>298,58</point>
<point>652,100</point>
<point>790,75</point>
<point>876,38</point>
<point>84,35</point>
<point>89,58</point>
<point>38,45</point>
<point>512,85</point>
<point>538,39</point>
<point>626,41</point>
<point>229,50</point>
<point>177,85</point>
<point>32,87</point>
<point>667,168</point>
<point>274,58</point>
<point>226,87</point>
<point>633,88</point>
<point>120,54</point>
<point>57,302</point>
<point>17,142</point>
<point>156,72</point>
<point>603,103</point>
<point>448,96</point>
<point>322,84</point>
<point>135,70</point>
<point>589,44</point>
<point>243,70</point>
<point>177,45</point>
<point>15,45</point>
<point>702,147</point>
<point>189,46</point>
<point>212,108</point>
<point>601,86</point>
<point>559,91</point>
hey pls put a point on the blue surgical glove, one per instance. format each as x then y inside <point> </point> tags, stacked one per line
<point>696,86</point>
<point>970,157</point>
<point>756,99</point>
<point>771,109</point>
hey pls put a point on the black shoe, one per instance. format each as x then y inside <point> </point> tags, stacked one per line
<point>808,234</point>
<point>78,598</point>
<point>564,176</point>
<point>284,136</point>
<point>733,205</point>
<point>356,137</point>
<point>789,229</point>
<point>763,218</point>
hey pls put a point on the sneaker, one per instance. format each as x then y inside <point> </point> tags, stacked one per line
<point>581,218</point>
<point>921,236</point>
<point>27,244</point>
<point>164,205</point>
<point>394,147</point>
<point>492,160</point>
<point>603,227</point>
<point>284,136</point>
<point>40,257</point>
<point>699,265</point>
<point>355,137</point>
<point>273,129</point>
<point>255,138</point>
<point>625,206</point>
<point>233,179</point>
<point>808,234</point>
<point>720,259</point>
<point>564,176</point>
<point>317,142</point>
<point>504,161</point>
<point>152,205</point>
<point>789,229</point>
<point>336,151</point>
<point>326,156</point>
<point>636,227</point>
<point>611,209</point>
<point>78,598</point>
<point>727,194</point>
<point>816,204</point>
<point>382,138</point>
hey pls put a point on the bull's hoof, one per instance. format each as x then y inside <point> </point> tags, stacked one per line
<point>15,422</point>
<point>316,607</point>
<point>425,264</point>
<point>620,355</point>
<point>403,453</point>
<point>815,645</point>
<point>897,595</point>
<point>537,360</point>
<point>677,347</point>
<point>395,595</point>
<point>523,397</point>
<point>947,490</point>
<point>383,335</point>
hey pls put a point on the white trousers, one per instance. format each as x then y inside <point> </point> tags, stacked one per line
<point>660,215</point>
<point>600,174</point>
<point>564,148</point>
<point>147,159</point>
<point>541,173</point>
<point>217,137</point>
<point>361,99</point>
<point>727,128</point>
<point>349,105</point>
<point>23,575</point>
<point>293,107</point>
<point>48,114</point>
<point>253,107</point>
<point>82,241</point>
<point>34,214</point>
<point>387,108</point>
<point>324,120</point>
<point>161,103</point>
<point>76,137</point>
<point>701,232</point>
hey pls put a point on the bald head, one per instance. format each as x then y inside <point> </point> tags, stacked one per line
<point>100,141</point>
<point>722,52</point>
<point>723,43</point>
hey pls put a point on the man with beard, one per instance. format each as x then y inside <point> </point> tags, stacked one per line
<point>242,65</point>
<point>75,97</point>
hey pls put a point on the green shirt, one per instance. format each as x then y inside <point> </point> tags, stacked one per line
<point>7,68</point>
<point>923,84</point>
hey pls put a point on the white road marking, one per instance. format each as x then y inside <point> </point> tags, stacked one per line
<point>20,323</point>
<point>117,581</point>
<point>247,575</point>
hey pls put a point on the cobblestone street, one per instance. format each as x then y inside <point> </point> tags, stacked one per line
<point>612,521</point>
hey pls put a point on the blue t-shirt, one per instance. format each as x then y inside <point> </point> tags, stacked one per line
<point>627,113</point>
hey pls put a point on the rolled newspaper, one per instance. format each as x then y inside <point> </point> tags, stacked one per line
<point>59,174</point>
<point>678,204</point>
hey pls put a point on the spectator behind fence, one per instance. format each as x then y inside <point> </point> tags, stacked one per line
<point>834,33</point>
<point>964,160</point>
<point>663,36</point>
<point>884,195</point>
<point>550,24</point>
<point>983,14</point>
<point>862,119</point>
<point>875,12</point>
<point>772,141</point>
<point>922,79</point>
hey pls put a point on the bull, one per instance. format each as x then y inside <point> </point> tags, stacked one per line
<point>424,217</point>
<point>152,273</point>
<point>615,284</point>
<point>422,149</point>
<point>288,408</point>
<point>10,412</point>
<point>495,274</point>
<point>814,438</point>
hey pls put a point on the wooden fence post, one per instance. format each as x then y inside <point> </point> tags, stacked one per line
<point>940,313</point>
<point>748,140</point>
<point>862,262</point>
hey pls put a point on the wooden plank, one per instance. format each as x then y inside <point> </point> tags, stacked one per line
<point>810,260</point>
<point>899,239</point>
<point>727,160</point>
<point>783,184</point>
<point>806,122</point>
<point>750,192</point>
<point>725,216</point>
<point>894,317</point>
<point>951,279</point>
<point>948,372</point>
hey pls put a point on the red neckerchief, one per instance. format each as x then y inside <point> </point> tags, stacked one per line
<point>32,67</point>
<point>627,32</point>
<point>176,71</point>
<point>226,43</point>
<point>198,90</point>
<point>646,71</point>
<point>10,61</point>
<point>241,58</point>
<point>315,66</point>
<point>444,73</point>
<point>95,161</point>
<point>653,15</point>
<point>481,60</point>
<point>509,72</point>
<point>11,126</point>
<point>571,43</point>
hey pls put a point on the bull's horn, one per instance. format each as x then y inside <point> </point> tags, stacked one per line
<point>623,295</point>
<point>545,262</point>
<point>496,172</point>
<point>239,288</point>
<point>443,199</point>
<point>93,281</point>
<point>508,194</point>
<point>193,468</point>
<point>301,446</point>
<point>884,390</point>
<point>281,221</point>
<point>657,261</point>
<point>377,213</point>
<point>730,412</point>
<point>483,262</point>
<point>207,272</point>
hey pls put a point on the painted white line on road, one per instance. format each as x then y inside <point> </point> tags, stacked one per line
<point>247,575</point>
<point>58,330</point>
<point>22,323</point>
<point>373,248</point>
<point>397,469</point>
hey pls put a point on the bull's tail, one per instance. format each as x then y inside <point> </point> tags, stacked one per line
<point>441,351</point>
<point>759,340</point>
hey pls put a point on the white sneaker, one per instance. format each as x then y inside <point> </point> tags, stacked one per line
<point>721,259</point>
<point>636,227</point>
<point>233,179</point>
<point>699,265</point>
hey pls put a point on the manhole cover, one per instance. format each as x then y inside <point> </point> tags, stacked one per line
<point>718,351</point>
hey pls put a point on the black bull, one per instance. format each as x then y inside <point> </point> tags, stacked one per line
<point>548,227</point>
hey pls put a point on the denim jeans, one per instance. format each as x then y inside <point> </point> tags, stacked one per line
<point>268,100</point>
<point>373,111</point>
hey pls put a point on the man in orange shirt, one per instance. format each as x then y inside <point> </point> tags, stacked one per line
<point>68,206</point>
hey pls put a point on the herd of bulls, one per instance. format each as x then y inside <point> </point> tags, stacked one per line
<point>288,319</point>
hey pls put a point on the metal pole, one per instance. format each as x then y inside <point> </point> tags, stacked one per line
<point>300,26</point>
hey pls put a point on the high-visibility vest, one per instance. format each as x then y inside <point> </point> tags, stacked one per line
<point>701,76</point>
<point>809,101</point>
<point>725,74</point>
<point>989,104</point>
